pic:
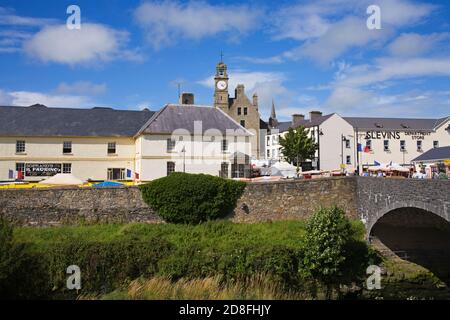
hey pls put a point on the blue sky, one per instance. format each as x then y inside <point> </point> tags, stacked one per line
<point>306,55</point>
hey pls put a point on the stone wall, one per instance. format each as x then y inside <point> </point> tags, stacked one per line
<point>361,197</point>
<point>46,207</point>
<point>289,200</point>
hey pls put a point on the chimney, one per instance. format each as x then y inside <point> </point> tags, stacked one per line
<point>255,100</point>
<point>314,115</point>
<point>296,118</point>
<point>186,98</point>
<point>239,90</point>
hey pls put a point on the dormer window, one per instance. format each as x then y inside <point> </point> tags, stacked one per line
<point>404,126</point>
<point>378,125</point>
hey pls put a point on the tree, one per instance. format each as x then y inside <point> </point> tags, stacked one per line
<point>328,233</point>
<point>297,146</point>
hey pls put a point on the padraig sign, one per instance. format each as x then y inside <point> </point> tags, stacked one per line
<point>42,169</point>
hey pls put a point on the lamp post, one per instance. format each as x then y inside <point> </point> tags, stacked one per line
<point>184,158</point>
<point>343,139</point>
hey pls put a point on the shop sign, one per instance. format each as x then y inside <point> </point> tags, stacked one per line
<point>42,169</point>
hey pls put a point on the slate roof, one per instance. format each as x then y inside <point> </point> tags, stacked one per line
<point>441,153</point>
<point>174,116</point>
<point>394,123</point>
<point>284,126</point>
<point>39,120</point>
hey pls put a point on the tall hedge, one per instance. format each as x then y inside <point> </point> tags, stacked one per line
<point>192,198</point>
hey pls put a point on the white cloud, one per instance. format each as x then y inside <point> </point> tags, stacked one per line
<point>92,43</point>
<point>413,44</point>
<point>344,98</point>
<point>328,29</point>
<point>8,17</point>
<point>166,22</point>
<point>395,68</point>
<point>81,88</point>
<point>27,98</point>
<point>5,98</point>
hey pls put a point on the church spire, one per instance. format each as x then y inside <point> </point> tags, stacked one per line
<point>273,122</point>
<point>273,115</point>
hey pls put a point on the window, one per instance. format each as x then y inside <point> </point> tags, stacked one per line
<point>268,153</point>
<point>235,139</point>
<point>224,170</point>
<point>67,147</point>
<point>243,123</point>
<point>245,111</point>
<point>386,145</point>
<point>247,139</point>
<point>20,146</point>
<point>369,144</point>
<point>349,160</point>
<point>268,141</point>
<point>402,145</point>
<point>347,143</point>
<point>170,145</point>
<point>435,144</point>
<point>419,145</point>
<point>116,174</point>
<point>111,148</point>
<point>224,145</point>
<point>239,111</point>
<point>170,168</point>
<point>67,168</point>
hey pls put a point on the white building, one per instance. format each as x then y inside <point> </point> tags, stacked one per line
<point>353,142</point>
<point>106,144</point>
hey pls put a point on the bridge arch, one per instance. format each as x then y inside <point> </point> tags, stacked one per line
<point>429,207</point>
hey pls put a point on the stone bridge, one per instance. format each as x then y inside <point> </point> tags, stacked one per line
<point>365,198</point>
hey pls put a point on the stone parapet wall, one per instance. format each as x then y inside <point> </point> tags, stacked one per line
<point>361,197</point>
<point>46,207</point>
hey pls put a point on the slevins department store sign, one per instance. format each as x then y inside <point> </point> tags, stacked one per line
<point>395,135</point>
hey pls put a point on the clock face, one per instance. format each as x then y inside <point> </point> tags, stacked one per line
<point>221,85</point>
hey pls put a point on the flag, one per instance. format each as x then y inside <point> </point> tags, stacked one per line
<point>128,173</point>
<point>360,147</point>
<point>10,174</point>
<point>366,149</point>
<point>376,163</point>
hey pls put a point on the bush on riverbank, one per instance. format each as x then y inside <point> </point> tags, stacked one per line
<point>192,198</point>
<point>111,256</point>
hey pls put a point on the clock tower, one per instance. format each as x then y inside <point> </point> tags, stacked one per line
<point>221,87</point>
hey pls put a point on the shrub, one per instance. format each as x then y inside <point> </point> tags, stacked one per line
<point>192,198</point>
<point>328,233</point>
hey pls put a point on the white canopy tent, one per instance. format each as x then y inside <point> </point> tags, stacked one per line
<point>62,179</point>
<point>286,169</point>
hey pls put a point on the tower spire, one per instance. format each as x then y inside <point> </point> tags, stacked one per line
<point>273,122</point>
<point>273,115</point>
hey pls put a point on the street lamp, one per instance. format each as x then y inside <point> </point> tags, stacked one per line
<point>184,158</point>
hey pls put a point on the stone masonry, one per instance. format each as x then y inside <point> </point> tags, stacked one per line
<point>362,198</point>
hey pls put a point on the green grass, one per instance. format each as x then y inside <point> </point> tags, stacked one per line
<point>286,233</point>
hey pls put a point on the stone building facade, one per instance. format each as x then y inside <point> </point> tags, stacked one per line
<point>243,110</point>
